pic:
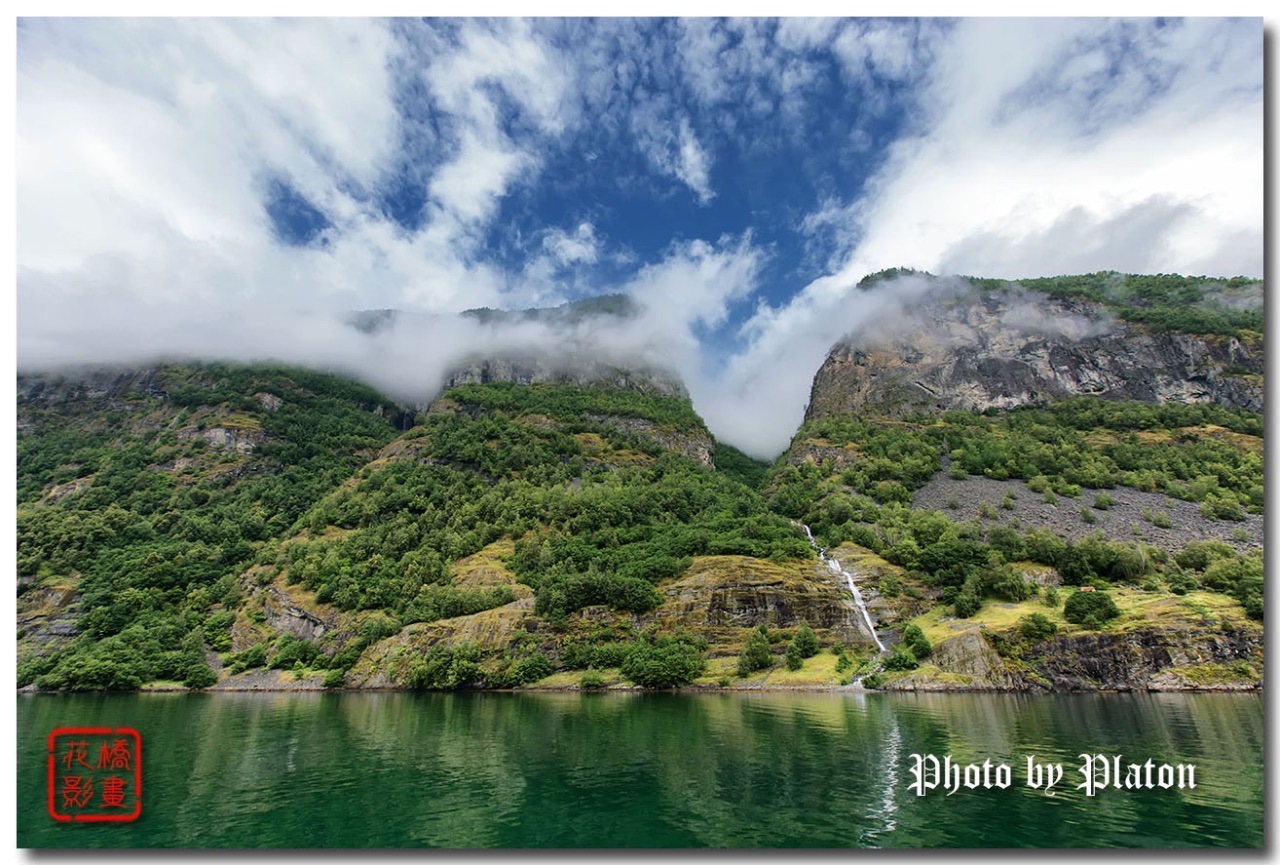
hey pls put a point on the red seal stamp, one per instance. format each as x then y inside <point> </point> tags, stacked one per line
<point>95,774</point>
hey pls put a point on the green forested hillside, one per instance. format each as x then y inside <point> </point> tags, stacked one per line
<point>854,482</point>
<point>159,523</point>
<point>155,514</point>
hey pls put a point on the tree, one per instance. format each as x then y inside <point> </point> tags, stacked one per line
<point>914,639</point>
<point>756,655</point>
<point>807,641</point>
<point>795,659</point>
<point>200,676</point>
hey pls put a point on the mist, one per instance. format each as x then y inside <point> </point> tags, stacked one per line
<point>755,401</point>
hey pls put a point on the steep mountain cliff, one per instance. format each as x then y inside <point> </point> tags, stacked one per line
<point>976,349</point>
<point>1061,482</point>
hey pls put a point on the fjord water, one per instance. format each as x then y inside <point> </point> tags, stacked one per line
<point>649,770</point>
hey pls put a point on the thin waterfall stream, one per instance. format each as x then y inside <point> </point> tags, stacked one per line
<point>837,568</point>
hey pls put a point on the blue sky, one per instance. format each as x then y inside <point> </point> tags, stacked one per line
<point>231,187</point>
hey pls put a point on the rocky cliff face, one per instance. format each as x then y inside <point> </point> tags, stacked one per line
<point>1005,349</point>
<point>100,383</point>
<point>565,368</point>
<point>1144,659</point>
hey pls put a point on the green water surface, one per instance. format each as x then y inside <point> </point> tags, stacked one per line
<point>648,770</point>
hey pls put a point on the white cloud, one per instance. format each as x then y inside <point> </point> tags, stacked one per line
<point>670,145</point>
<point>887,48</point>
<point>144,150</point>
<point>1025,178</point>
<point>469,187</point>
<point>580,247</point>
<point>692,165</point>
<point>169,133</point>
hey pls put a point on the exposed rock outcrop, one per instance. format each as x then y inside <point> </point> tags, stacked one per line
<point>565,367</point>
<point>90,383</point>
<point>1142,659</point>
<point>241,441</point>
<point>697,445</point>
<point>720,596</point>
<point>47,616</point>
<point>386,663</point>
<point>1002,350</point>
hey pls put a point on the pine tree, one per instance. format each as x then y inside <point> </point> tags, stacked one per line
<point>807,641</point>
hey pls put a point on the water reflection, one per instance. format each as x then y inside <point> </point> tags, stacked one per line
<point>640,770</point>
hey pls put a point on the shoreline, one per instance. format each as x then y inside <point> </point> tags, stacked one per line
<point>776,689</point>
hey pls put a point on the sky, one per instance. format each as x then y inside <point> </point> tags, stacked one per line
<point>234,188</point>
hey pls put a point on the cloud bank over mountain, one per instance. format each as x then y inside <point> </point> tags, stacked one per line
<point>235,188</point>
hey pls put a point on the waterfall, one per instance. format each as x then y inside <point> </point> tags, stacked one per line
<point>837,568</point>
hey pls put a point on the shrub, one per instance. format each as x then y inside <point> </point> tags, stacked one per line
<point>1181,582</point>
<point>1103,501</point>
<point>200,676</point>
<point>890,586</point>
<point>335,679</point>
<point>901,660</point>
<point>292,651</point>
<point>666,663</point>
<point>531,669</point>
<point>1130,563</point>
<point>1063,488</point>
<point>254,656</point>
<point>378,627</point>
<point>915,640</point>
<point>1007,542</point>
<point>1050,598</point>
<point>1003,581</point>
<point>968,602</point>
<point>1090,609</point>
<point>591,680</point>
<point>1198,555</point>
<point>1087,516</point>
<point>1037,626</point>
<point>1161,520</point>
<point>1221,508</point>
<point>865,536</point>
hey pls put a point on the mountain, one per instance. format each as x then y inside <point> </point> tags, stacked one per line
<point>999,345</point>
<point>198,524</point>
<point>558,520</point>
<point>983,448</point>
